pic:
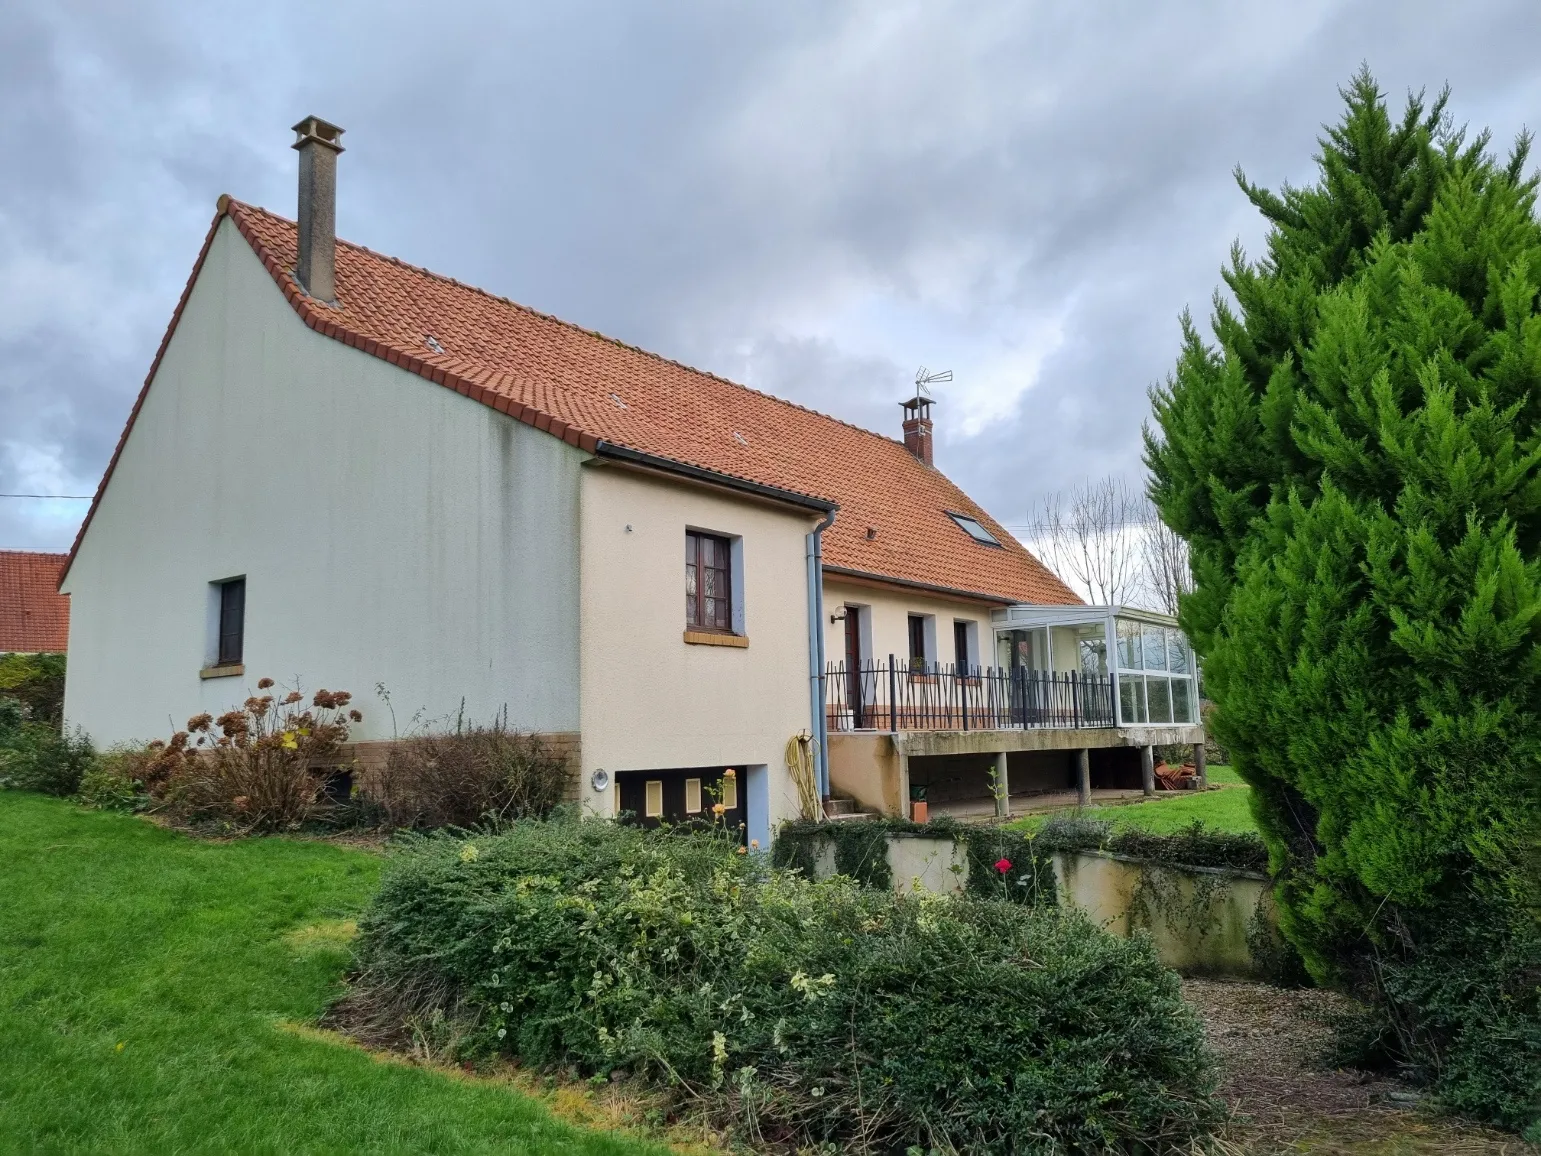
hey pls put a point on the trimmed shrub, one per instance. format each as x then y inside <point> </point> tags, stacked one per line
<point>806,1013</point>
<point>473,776</point>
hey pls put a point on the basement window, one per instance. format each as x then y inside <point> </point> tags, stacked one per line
<point>973,529</point>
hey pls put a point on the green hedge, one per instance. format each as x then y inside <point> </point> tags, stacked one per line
<point>1006,863</point>
<point>803,1013</point>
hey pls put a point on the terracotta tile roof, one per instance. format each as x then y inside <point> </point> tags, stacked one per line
<point>596,392</point>
<point>34,616</point>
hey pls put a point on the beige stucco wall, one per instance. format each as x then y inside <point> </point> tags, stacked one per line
<point>650,700</point>
<point>869,768</point>
<point>1199,920</point>
<point>390,531</point>
<point>890,609</point>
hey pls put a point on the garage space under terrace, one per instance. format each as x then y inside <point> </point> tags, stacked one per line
<point>1071,712</point>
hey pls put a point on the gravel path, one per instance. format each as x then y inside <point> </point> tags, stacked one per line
<point>1283,1100</point>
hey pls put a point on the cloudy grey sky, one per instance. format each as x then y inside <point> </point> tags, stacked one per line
<point>810,197</point>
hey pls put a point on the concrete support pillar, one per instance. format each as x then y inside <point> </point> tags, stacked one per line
<point>1083,764</point>
<point>1002,788</point>
<point>1201,771</point>
<point>1148,770</point>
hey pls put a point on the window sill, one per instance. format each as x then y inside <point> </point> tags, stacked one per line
<point>229,670</point>
<point>711,638</point>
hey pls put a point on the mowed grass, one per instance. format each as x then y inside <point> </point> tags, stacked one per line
<point>149,984</point>
<point>1227,809</point>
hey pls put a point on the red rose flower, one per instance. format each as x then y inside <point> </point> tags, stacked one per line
<point>1003,865</point>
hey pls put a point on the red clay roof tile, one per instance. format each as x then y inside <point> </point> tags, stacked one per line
<point>34,616</point>
<point>586,388</point>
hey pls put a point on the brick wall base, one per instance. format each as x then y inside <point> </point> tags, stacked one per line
<point>567,745</point>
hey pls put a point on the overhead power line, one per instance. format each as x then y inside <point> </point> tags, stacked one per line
<point>53,497</point>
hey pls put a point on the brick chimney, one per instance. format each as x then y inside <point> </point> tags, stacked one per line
<point>318,143</point>
<point>917,426</point>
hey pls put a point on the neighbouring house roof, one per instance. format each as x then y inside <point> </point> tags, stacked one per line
<point>605,396</point>
<point>34,616</point>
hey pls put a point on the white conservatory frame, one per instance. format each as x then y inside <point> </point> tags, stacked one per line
<point>1143,650</point>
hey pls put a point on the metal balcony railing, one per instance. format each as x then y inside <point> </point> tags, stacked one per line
<point>910,696</point>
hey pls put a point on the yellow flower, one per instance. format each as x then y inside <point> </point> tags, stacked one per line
<point>468,853</point>
<point>718,808</point>
<point>290,744</point>
<point>730,773</point>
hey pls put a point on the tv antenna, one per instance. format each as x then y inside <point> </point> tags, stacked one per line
<point>924,379</point>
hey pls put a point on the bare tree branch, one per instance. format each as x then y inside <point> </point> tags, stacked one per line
<point>1105,540</point>
<point>1167,575</point>
<point>1089,536</point>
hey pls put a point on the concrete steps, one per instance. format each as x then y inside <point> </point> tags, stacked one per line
<point>839,810</point>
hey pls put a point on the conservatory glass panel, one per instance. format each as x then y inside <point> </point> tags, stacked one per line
<point>1092,649</point>
<point>1176,651</point>
<point>1182,700</point>
<point>1158,692</point>
<point>1128,645</point>
<point>1131,698</point>
<point>1155,647</point>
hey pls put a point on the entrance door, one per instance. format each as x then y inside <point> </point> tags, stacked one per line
<point>853,678</point>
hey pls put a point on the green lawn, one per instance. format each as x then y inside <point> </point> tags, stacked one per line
<point>1224,810</point>
<point>144,981</point>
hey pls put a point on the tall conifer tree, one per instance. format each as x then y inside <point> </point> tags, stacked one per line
<point>1356,464</point>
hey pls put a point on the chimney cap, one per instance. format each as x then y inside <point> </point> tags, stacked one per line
<point>322,132</point>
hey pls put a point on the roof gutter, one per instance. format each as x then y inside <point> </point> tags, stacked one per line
<point>606,449</point>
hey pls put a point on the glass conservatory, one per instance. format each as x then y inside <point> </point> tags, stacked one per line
<point>1141,656</point>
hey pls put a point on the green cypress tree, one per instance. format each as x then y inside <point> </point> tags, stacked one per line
<point>1356,464</point>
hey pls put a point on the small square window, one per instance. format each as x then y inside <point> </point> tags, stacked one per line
<point>973,529</point>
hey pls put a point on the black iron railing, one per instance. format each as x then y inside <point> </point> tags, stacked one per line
<point>909,696</point>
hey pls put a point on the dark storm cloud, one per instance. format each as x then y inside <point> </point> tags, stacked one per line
<point>809,198</point>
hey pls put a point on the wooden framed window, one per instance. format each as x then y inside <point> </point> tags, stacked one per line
<point>708,582</point>
<point>654,799</point>
<point>960,646</point>
<point>918,641</point>
<point>232,622</point>
<point>729,791</point>
<point>692,796</point>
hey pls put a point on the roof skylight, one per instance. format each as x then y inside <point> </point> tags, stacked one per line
<point>973,529</point>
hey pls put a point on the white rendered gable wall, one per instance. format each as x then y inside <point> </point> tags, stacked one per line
<point>390,531</point>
